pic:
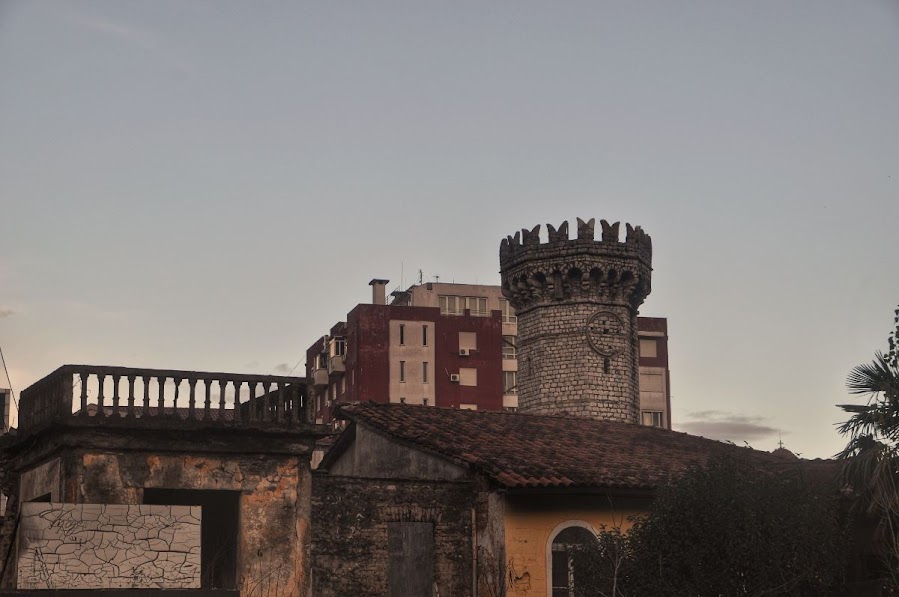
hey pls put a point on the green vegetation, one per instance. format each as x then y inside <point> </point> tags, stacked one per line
<point>872,455</point>
<point>729,528</point>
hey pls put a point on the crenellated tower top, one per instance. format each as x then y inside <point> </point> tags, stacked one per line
<point>576,301</point>
<point>582,268</point>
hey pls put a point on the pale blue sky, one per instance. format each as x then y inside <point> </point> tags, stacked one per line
<point>210,185</point>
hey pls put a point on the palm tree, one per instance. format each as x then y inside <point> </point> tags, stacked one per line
<point>872,455</point>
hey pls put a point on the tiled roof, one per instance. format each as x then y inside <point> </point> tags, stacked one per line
<point>526,450</point>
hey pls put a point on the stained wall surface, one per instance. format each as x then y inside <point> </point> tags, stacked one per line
<point>356,522</point>
<point>274,503</point>
<point>532,521</point>
<point>108,546</point>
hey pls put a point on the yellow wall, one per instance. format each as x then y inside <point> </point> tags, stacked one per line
<point>529,522</point>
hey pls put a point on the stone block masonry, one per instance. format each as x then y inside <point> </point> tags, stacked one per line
<point>353,524</point>
<point>577,302</point>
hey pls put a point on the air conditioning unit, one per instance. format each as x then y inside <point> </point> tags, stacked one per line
<point>454,377</point>
<point>464,352</point>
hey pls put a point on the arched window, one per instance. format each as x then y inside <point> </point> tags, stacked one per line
<point>562,567</point>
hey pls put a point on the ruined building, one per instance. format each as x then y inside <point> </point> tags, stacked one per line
<point>125,478</point>
<point>577,304</point>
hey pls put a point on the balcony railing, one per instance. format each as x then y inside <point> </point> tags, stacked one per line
<point>120,393</point>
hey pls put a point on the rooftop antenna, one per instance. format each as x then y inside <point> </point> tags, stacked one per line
<point>436,278</point>
<point>420,277</point>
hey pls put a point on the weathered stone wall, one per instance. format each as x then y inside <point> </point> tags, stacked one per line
<point>41,480</point>
<point>350,518</point>
<point>106,546</point>
<point>577,302</point>
<point>272,552</point>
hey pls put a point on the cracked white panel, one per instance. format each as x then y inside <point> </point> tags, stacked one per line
<point>108,546</point>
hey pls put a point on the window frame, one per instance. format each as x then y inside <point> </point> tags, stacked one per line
<point>655,414</point>
<point>508,391</point>
<point>510,347</point>
<point>549,549</point>
<point>507,311</point>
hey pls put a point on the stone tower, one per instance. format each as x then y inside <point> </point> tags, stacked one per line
<point>577,302</point>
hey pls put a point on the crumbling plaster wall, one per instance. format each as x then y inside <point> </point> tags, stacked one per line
<point>349,532</point>
<point>105,546</point>
<point>273,552</point>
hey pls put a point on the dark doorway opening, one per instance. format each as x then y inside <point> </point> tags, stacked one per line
<point>219,529</point>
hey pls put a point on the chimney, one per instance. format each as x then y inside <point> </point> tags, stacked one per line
<point>378,291</point>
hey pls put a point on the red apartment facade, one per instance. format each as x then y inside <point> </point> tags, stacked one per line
<point>450,345</point>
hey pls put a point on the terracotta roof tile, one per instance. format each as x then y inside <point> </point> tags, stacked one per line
<point>525,450</point>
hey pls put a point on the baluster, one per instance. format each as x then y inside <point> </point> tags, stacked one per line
<point>160,401</point>
<point>252,403</point>
<point>208,403</point>
<point>146,405</point>
<point>268,406</point>
<point>175,401</point>
<point>101,379</point>
<point>115,394</point>
<point>223,385</point>
<point>130,412</point>
<point>192,402</point>
<point>83,377</point>
<point>237,414</point>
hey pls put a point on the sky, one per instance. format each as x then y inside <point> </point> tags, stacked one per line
<point>209,185</point>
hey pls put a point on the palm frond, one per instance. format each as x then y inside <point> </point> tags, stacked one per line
<point>878,376</point>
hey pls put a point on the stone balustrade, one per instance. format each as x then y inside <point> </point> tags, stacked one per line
<point>123,394</point>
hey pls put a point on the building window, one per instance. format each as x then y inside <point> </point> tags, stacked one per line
<point>477,305</point>
<point>649,348</point>
<point>468,376</point>
<point>456,305</point>
<point>424,335</point>
<point>468,341</point>
<point>450,305</point>
<point>653,418</point>
<point>510,347</point>
<point>510,382</point>
<point>565,545</point>
<point>403,400</point>
<point>338,347</point>
<point>323,360</point>
<point>402,334</point>
<point>508,312</point>
<point>424,372</point>
<point>424,401</point>
<point>402,370</point>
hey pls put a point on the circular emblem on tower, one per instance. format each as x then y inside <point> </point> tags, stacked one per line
<point>606,333</point>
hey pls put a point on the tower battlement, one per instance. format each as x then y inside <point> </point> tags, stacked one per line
<point>563,269</point>
<point>576,301</point>
<point>526,243</point>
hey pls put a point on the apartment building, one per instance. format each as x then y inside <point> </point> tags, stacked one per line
<point>452,345</point>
